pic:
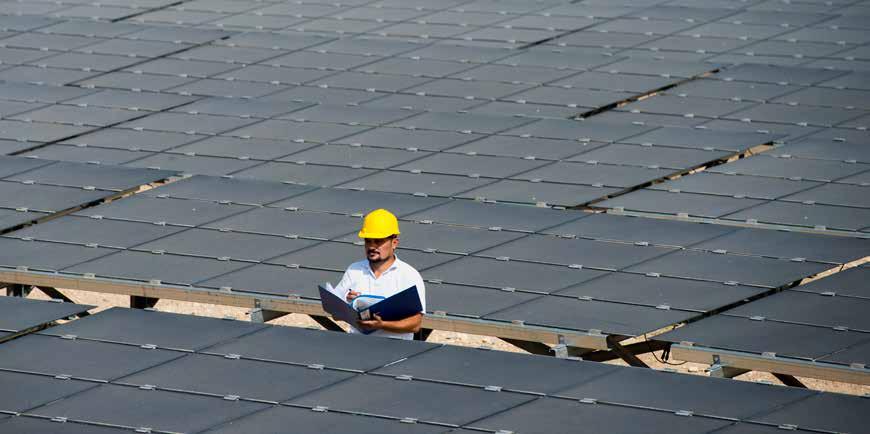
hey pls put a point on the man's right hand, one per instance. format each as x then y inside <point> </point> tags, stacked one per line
<point>351,295</point>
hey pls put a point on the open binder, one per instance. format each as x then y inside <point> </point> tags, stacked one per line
<point>399,306</point>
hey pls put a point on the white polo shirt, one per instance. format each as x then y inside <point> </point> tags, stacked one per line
<point>399,277</point>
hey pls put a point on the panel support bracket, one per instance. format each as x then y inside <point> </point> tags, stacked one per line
<point>721,369</point>
<point>260,315</point>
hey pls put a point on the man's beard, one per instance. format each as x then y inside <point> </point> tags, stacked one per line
<point>380,261</point>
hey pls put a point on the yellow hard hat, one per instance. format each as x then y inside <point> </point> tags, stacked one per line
<point>379,223</point>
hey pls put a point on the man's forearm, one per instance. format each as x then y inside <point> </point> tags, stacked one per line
<point>410,324</point>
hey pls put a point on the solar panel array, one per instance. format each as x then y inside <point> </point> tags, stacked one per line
<point>821,321</point>
<point>211,375</point>
<point>562,270</point>
<point>457,115</point>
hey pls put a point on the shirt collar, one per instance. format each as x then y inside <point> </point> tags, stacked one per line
<point>393,267</point>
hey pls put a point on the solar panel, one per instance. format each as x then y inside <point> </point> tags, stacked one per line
<point>337,256</point>
<point>692,397</point>
<point>278,418</point>
<point>701,138</point>
<point>85,154</point>
<point>227,190</point>
<point>83,175</point>
<point>688,106</point>
<point>510,274</point>
<point>808,308</point>
<point>39,255</point>
<point>142,327</point>
<point>10,166</point>
<point>563,251</point>
<point>580,131</point>
<point>34,390</point>
<point>218,375</point>
<point>155,266</point>
<point>482,367</point>
<point>24,424</point>
<point>108,233</point>
<point>357,202</point>
<point>391,397</point>
<point>660,156</point>
<point>38,131</point>
<point>187,123</point>
<point>219,244</point>
<point>471,165</point>
<point>332,352</point>
<point>118,138</point>
<point>676,202</point>
<point>280,280</point>
<point>802,115</point>
<point>355,156</point>
<point>651,290</point>
<point>836,413</point>
<point>10,218</point>
<point>471,301</point>
<point>539,193</point>
<point>594,174</point>
<point>495,216</point>
<point>834,194</point>
<point>462,122</point>
<point>416,183</point>
<point>180,212</point>
<point>406,138</point>
<point>585,315</point>
<point>303,174</point>
<point>800,214</point>
<point>21,314</point>
<point>526,147</point>
<point>242,109</point>
<point>730,268</point>
<point>739,186</point>
<point>639,230</point>
<point>560,413</point>
<point>349,115</point>
<point>282,222</point>
<point>242,149</point>
<point>83,358</point>
<point>177,411</point>
<point>781,339</point>
<point>847,282</point>
<point>787,245</point>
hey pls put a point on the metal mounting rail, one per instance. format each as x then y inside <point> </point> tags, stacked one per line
<point>157,290</point>
<point>771,363</point>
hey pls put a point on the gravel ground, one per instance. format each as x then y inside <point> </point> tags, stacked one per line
<point>294,320</point>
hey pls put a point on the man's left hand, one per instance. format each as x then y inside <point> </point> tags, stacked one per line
<point>375,323</point>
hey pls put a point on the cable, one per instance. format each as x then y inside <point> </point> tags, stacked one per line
<point>656,357</point>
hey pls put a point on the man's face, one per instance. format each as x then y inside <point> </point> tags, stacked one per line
<point>380,249</point>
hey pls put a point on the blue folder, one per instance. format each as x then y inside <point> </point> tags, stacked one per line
<point>399,306</point>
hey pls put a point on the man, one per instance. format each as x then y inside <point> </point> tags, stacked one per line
<point>381,275</point>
